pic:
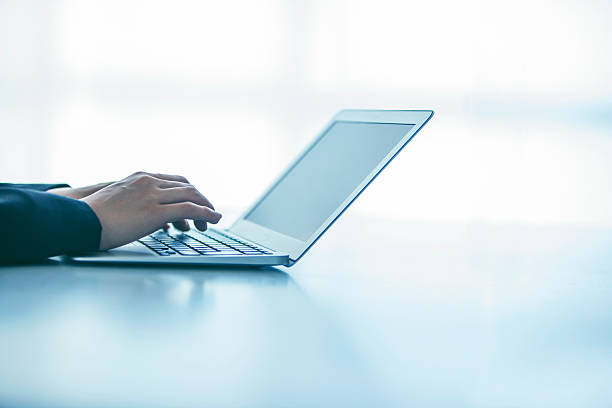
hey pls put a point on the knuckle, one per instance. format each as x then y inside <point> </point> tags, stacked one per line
<point>144,178</point>
<point>187,207</point>
<point>207,213</point>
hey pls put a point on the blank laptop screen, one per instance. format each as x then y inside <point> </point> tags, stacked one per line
<point>325,177</point>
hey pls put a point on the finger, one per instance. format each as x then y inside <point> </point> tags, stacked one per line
<point>180,194</point>
<point>166,227</point>
<point>161,183</point>
<point>176,192</point>
<point>201,225</point>
<point>181,225</point>
<point>189,210</point>
<point>170,177</point>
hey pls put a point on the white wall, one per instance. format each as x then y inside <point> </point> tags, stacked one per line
<point>227,92</point>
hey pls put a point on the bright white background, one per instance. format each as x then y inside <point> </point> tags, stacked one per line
<point>227,93</point>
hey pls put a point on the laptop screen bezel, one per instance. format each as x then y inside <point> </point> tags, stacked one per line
<point>296,248</point>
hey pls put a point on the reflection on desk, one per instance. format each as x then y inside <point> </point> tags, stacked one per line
<point>377,314</point>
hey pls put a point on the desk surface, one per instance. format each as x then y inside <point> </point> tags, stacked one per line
<point>377,314</point>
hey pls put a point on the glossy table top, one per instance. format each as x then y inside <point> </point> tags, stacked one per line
<point>379,313</point>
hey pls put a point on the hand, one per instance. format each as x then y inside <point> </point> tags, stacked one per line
<point>142,203</point>
<point>79,192</point>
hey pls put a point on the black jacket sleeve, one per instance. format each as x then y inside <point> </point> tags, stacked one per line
<point>37,225</point>
<point>38,187</point>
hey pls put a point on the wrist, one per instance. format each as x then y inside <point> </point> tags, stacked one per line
<point>62,191</point>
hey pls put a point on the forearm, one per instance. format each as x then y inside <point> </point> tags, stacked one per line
<point>38,225</point>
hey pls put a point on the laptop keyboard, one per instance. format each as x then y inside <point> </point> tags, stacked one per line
<point>166,244</point>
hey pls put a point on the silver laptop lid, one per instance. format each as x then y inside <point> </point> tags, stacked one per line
<point>326,177</point>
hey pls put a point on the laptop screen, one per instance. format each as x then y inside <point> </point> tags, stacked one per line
<point>309,193</point>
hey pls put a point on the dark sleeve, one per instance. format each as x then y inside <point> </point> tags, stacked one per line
<point>37,225</point>
<point>39,187</point>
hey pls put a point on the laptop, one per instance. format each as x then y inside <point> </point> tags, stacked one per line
<point>298,208</point>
